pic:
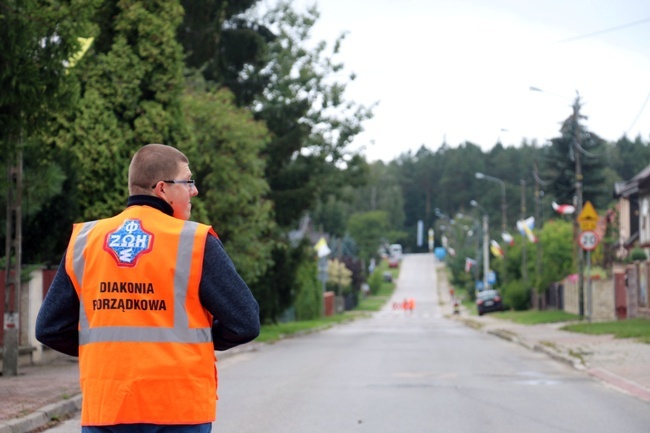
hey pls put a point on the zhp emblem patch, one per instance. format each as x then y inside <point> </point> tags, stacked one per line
<point>128,243</point>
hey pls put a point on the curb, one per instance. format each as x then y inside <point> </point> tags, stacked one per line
<point>602,374</point>
<point>538,347</point>
<point>43,416</point>
<point>504,334</point>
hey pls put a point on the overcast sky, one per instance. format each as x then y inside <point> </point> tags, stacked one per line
<point>460,70</point>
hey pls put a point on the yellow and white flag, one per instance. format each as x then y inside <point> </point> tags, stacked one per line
<point>85,45</point>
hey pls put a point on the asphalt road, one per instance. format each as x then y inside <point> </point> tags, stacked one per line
<point>411,372</point>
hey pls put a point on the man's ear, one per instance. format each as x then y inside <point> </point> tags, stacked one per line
<point>159,190</point>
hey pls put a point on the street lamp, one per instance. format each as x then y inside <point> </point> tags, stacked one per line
<point>486,240</point>
<point>504,225</point>
<point>480,175</point>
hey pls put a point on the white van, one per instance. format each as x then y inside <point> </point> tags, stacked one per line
<point>395,250</point>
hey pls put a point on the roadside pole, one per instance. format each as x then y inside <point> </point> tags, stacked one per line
<point>588,240</point>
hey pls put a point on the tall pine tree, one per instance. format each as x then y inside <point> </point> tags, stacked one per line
<point>131,85</point>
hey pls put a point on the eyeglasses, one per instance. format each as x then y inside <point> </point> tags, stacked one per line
<point>190,183</point>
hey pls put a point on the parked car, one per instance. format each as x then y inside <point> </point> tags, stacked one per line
<point>396,251</point>
<point>395,255</point>
<point>488,300</point>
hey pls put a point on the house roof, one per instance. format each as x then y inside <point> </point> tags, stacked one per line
<point>632,186</point>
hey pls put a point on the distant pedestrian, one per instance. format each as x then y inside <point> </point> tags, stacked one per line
<point>143,299</point>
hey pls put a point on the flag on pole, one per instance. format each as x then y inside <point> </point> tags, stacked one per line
<point>507,238</point>
<point>563,209</point>
<point>496,249</point>
<point>469,263</point>
<point>526,227</point>
<point>321,248</point>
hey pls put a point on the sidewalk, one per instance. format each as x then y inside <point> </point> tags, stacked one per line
<point>42,395</point>
<point>621,363</point>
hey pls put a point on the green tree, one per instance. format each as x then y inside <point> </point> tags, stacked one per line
<point>627,158</point>
<point>369,232</point>
<point>222,43</point>
<point>311,124</point>
<point>309,297</point>
<point>557,253</point>
<point>339,276</point>
<point>131,82</point>
<point>38,40</point>
<point>576,144</point>
<point>225,144</point>
<point>305,109</point>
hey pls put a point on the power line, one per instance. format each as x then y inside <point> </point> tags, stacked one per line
<point>623,26</point>
<point>639,114</point>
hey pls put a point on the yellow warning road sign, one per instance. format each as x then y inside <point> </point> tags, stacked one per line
<point>588,217</point>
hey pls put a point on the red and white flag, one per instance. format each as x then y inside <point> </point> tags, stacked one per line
<point>469,263</point>
<point>563,209</point>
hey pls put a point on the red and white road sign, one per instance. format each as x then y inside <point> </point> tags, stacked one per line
<point>588,240</point>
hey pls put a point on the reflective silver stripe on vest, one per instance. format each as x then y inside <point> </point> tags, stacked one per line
<point>179,333</point>
<point>78,264</point>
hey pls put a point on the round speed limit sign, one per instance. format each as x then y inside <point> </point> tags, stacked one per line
<point>588,240</point>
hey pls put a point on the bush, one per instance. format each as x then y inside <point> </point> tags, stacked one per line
<point>375,281</point>
<point>516,296</point>
<point>309,298</point>
<point>638,254</point>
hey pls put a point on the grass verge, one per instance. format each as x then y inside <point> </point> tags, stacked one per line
<point>278,331</point>
<point>370,303</point>
<point>632,328</point>
<point>638,329</point>
<point>534,317</point>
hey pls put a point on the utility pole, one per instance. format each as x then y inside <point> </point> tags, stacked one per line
<point>539,217</point>
<point>524,267</point>
<point>576,227</point>
<point>538,262</point>
<point>486,251</point>
<point>13,243</point>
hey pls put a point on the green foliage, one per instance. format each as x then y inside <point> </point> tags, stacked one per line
<point>533,317</point>
<point>81,128</point>
<point>49,203</point>
<point>309,297</point>
<point>339,277</point>
<point>275,291</point>
<point>638,254</point>
<point>368,230</point>
<point>576,144</point>
<point>219,51</point>
<point>331,215</point>
<point>459,278</point>
<point>277,331</point>
<point>224,149</point>
<point>556,241</point>
<point>303,106</point>
<point>38,39</point>
<point>631,328</point>
<point>628,158</point>
<point>131,81</point>
<point>516,295</point>
<point>375,281</point>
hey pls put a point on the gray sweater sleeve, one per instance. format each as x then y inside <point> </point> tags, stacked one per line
<point>227,297</point>
<point>58,319</point>
<point>222,292</point>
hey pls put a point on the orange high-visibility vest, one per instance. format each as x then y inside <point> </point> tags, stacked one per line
<point>145,342</point>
